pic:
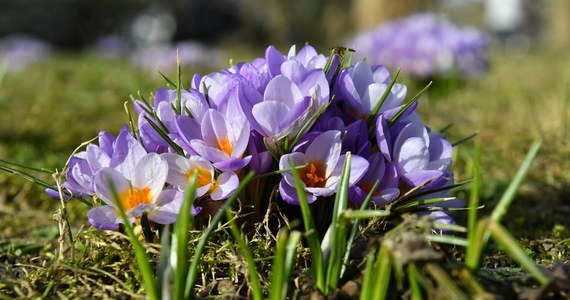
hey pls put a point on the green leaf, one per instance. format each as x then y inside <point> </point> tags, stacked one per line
<point>179,250</point>
<point>407,105</point>
<point>283,263</point>
<point>338,232</point>
<point>310,232</point>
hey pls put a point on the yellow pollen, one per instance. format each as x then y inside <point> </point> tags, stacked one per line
<point>204,176</point>
<point>134,197</point>
<point>225,145</point>
<point>314,174</point>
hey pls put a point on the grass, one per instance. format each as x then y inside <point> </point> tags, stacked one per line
<point>47,110</point>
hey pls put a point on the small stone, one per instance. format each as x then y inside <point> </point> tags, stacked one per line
<point>351,289</point>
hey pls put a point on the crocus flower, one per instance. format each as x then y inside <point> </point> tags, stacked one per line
<point>137,192</point>
<point>424,46</point>
<point>224,141</point>
<point>180,170</point>
<point>422,157</point>
<point>361,87</point>
<point>383,172</point>
<point>322,166</point>
<point>286,108</point>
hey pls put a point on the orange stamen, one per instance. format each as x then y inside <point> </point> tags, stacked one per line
<point>134,197</point>
<point>204,176</point>
<point>314,174</point>
<point>225,145</point>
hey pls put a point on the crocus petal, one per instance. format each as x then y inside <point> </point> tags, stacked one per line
<point>268,115</point>
<point>108,179</point>
<point>232,164</point>
<point>178,165</point>
<point>212,154</point>
<point>151,172</point>
<point>226,184</point>
<point>298,159</point>
<point>238,133</point>
<point>128,151</point>
<point>282,89</point>
<point>96,157</point>
<point>104,218</point>
<point>274,59</point>
<point>213,128</point>
<point>168,207</point>
<point>413,155</point>
<point>358,167</point>
<point>325,148</point>
<point>419,178</point>
<point>289,194</point>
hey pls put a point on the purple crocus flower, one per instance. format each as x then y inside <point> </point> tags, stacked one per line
<point>193,103</point>
<point>180,170</point>
<point>286,106</point>
<point>137,191</point>
<point>424,46</point>
<point>224,141</point>
<point>422,157</point>
<point>385,173</point>
<point>323,165</point>
<point>361,87</point>
<point>110,152</point>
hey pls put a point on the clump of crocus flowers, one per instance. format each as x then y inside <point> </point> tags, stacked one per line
<point>301,110</point>
<point>425,46</point>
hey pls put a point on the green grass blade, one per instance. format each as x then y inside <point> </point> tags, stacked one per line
<point>365,214</point>
<point>474,197</point>
<point>446,286</point>
<point>283,263</point>
<point>42,170</point>
<point>476,245</point>
<point>356,225</point>
<point>337,244</point>
<point>179,249</point>
<point>254,282</point>
<point>310,231</point>
<point>140,251</point>
<point>164,269</point>
<point>407,105</point>
<point>27,176</point>
<point>384,270</point>
<point>409,196</point>
<point>416,203</point>
<point>511,191</point>
<point>372,117</point>
<point>447,239</point>
<point>192,273</point>
<point>465,139</point>
<point>369,278</point>
<point>482,235</point>
<point>504,239</point>
<point>414,282</point>
<point>164,136</point>
<point>166,78</point>
<point>178,109</point>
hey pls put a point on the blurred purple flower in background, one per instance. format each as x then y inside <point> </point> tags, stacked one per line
<point>424,46</point>
<point>19,51</point>
<point>192,54</point>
